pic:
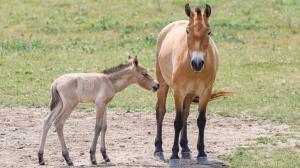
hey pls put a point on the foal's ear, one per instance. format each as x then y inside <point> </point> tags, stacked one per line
<point>207,11</point>
<point>135,61</point>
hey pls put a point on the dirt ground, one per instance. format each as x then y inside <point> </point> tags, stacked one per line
<point>130,138</point>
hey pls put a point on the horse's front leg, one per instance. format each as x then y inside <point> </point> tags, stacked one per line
<point>178,125</point>
<point>201,121</point>
<point>100,109</point>
<point>185,152</point>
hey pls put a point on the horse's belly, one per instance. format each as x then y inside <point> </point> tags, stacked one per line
<point>166,69</point>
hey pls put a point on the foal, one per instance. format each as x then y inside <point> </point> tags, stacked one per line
<point>99,88</point>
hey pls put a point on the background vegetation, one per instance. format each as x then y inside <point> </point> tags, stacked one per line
<point>258,43</point>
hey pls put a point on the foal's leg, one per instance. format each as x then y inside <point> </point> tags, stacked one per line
<point>160,113</point>
<point>185,152</point>
<point>100,110</point>
<point>103,131</point>
<point>47,124</point>
<point>59,124</point>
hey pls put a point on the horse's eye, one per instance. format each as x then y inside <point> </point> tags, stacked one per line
<point>209,33</point>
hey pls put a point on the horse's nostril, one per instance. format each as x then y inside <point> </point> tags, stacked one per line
<point>201,63</point>
<point>194,63</point>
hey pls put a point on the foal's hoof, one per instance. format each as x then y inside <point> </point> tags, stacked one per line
<point>202,160</point>
<point>70,163</point>
<point>159,156</point>
<point>41,163</point>
<point>41,159</point>
<point>174,162</point>
<point>186,155</point>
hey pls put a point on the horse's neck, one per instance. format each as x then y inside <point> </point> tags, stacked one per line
<point>120,80</point>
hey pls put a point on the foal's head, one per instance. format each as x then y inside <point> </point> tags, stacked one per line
<point>198,32</point>
<point>141,75</point>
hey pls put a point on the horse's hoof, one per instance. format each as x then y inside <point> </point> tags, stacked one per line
<point>174,162</point>
<point>107,160</point>
<point>159,156</point>
<point>186,155</point>
<point>202,160</point>
<point>94,162</point>
<point>41,158</point>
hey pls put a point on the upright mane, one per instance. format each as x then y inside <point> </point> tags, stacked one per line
<point>116,68</point>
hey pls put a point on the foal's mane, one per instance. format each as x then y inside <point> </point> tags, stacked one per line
<point>116,68</point>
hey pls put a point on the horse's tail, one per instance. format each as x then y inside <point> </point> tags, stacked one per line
<point>55,97</point>
<point>215,95</point>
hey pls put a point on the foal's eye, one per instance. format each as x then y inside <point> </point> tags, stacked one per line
<point>187,30</point>
<point>209,33</point>
<point>145,75</point>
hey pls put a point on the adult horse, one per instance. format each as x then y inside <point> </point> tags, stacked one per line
<point>187,61</point>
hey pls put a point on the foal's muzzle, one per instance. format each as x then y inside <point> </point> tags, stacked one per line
<point>197,62</point>
<point>155,85</point>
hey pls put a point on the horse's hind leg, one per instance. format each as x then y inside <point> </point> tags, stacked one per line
<point>160,113</point>
<point>185,152</point>
<point>100,110</point>
<point>103,131</point>
<point>47,124</point>
<point>59,124</point>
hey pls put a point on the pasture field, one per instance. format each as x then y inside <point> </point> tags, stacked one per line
<point>258,44</point>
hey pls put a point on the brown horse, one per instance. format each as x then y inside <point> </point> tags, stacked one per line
<point>187,61</point>
<point>98,88</point>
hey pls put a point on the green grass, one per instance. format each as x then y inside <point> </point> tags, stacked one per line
<point>258,43</point>
<point>264,157</point>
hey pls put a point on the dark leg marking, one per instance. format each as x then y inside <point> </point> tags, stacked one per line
<point>41,158</point>
<point>185,152</point>
<point>104,155</point>
<point>178,124</point>
<point>201,121</point>
<point>93,157</point>
<point>67,159</point>
<point>158,153</point>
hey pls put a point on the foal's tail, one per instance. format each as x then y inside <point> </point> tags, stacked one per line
<point>55,97</point>
<point>215,95</point>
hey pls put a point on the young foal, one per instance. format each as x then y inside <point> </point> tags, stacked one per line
<point>70,89</point>
<point>187,61</point>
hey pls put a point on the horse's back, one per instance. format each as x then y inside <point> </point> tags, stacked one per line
<point>170,42</point>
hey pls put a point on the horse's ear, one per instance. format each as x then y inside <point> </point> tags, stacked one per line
<point>207,11</point>
<point>188,10</point>
<point>129,57</point>
<point>135,61</point>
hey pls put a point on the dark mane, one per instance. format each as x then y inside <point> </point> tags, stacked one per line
<point>116,68</point>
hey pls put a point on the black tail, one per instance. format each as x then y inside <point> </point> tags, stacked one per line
<point>55,97</point>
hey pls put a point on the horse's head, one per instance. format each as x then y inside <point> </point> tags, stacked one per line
<point>141,75</point>
<point>198,32</point>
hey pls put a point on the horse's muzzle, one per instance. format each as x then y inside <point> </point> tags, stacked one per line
<point>155,85</point>
<point>197,61</point>
<point>197,65</point>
